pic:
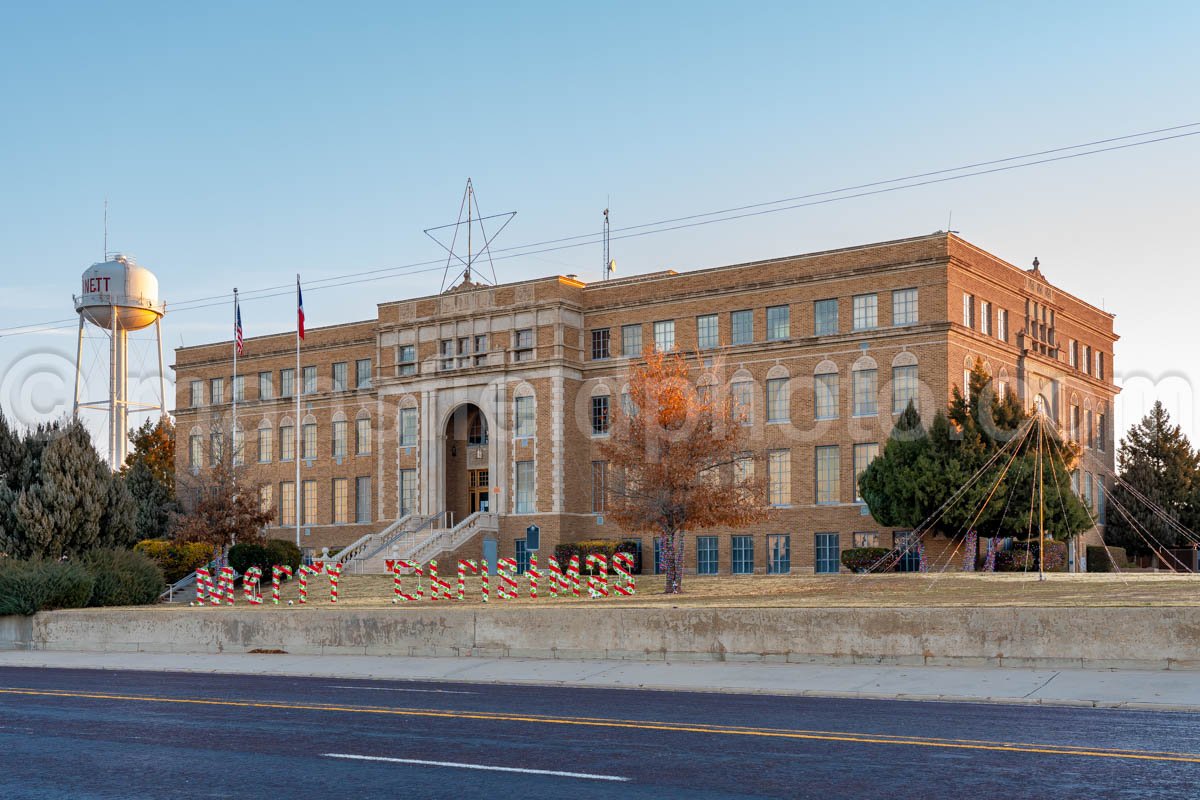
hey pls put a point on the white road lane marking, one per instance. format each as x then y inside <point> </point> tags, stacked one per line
<point>556,773</point>
<point>391,689</point>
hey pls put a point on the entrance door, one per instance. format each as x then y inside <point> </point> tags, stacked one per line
<point>490,554</point>
<point>478,490</point>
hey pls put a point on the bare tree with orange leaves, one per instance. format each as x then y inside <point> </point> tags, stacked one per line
<point>678,462</point>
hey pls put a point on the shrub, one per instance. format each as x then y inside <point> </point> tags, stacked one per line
<point>1055,556</point>
<point>284,553</point>
<point>123,578</point>
<point>175,559</point>
<point>1019,559</point>
<point>605,547</point>
<point>1100,559</point>
<point>27,587</point>
<point>864,559</point>
<point>244,556</point>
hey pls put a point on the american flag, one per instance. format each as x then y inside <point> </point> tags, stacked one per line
<point>237,329</point>
<point>299,310</point>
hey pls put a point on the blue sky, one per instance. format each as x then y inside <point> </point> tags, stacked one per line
<point>238,144</point>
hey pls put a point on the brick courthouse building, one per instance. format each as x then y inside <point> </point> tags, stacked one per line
<point>492,398</point>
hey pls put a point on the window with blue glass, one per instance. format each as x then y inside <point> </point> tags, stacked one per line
<point>742,327</point>
<point>522,557</point>
<point>825,317</point>
<point>658,556</point>
<point>828,553</point>
<point>706,555</point>
<point>743,555</point>
<point>907,547</point>
<point>779,548</point>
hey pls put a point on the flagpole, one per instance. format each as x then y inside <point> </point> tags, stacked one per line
<point>297,384</point>
<point>233,388</point>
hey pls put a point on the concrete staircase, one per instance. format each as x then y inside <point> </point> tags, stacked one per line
<point>424,541</point>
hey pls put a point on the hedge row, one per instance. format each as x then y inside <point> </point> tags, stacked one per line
<point>100,578</point>
<point>873,559</point>
<point>605,547</point>
<point>176,559</point>
<point>265,556</point>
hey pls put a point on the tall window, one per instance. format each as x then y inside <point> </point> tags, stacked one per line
<point>341,501</point>
<point>239,447</point>
<point>743,555</point>
<point>362,373</point>
<point>1002,324</point>
<point>523,351</point>
<point>310,380</point>
<point>706,555</point>
<point>866,311</point>
<point>408,427</point>
<point>341,434</point>
<point>826,388</point>
<point>287,443</point>
<point>406,358</point>
<point>904,307</point>
<point>265,501</point>
<point>600,343</point>
<point>1099,365</point>
<point>217,387</point>
<point>631,341</point>
<point>523,409</point>
<point>1073,352</point>
<point>287,382</point>
<point>866,392</point>
<point>481,349</point>
<point>264,445</point>
<point>985,317</point>
<point>197,393</point>
<point>446,351</point>
<point>524,498</point>
<point>904,387</point>
<point>408,491</point>
<point>778,400</point>
<point>1087,359</point>
<point>340,374</point>
<point>195,451</point>
<point>1101,436</point>
<point>779,322</point>
<point>287,503</point>
<point>707,336</point>
<point>779,551</point>
<point>599,485</point>
<point>216,447</point>
<point>825,317</point>
<point>308,504</point>
<point>829,467</point>
<point>969,310</point>
<point>779,477</point>
<point>864,454</point>
<point>308,440</point>
<point>741,324</point>
<point>743,469</point>
<point>362,436</point>
<point>828,553</point>
<point>1091,437</point>
<point>742,396</point>
<point>266,386</point>
<point>362,497</point>
<point>521,548</point>
<point>600,415</point>
<point>664,336</point>
<point>239,388</point>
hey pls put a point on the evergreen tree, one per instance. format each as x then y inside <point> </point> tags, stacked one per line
<point>1156,460</point>
<point>914,479</point>
<point>149,474</point>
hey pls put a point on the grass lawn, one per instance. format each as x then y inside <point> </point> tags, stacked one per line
<point>861,591</point>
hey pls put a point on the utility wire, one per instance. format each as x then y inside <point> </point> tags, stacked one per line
<point>705,218</point>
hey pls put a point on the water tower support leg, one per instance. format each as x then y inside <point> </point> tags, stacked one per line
<point>78,367</point>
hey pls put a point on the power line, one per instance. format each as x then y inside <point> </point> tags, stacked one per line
<point>692,220</point>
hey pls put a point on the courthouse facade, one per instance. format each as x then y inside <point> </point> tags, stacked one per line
<point>494,398</point>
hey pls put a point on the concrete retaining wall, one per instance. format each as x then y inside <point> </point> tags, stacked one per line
<point>1155,638</point>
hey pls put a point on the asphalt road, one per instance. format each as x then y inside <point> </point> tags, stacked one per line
<point>106,734</point>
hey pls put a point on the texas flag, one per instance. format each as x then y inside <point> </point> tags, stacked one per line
<point>299,310</point>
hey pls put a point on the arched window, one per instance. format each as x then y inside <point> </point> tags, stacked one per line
<point>827,390</point>
<point>865,374</point>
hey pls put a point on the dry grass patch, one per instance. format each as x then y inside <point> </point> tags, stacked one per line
<point>805,591</point>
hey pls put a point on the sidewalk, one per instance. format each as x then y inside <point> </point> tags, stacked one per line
<point>1136,689</point>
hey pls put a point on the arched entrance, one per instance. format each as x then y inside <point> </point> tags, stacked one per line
<point>468,482</point>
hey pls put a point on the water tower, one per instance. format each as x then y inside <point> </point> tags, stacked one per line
<point>118,297</point>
